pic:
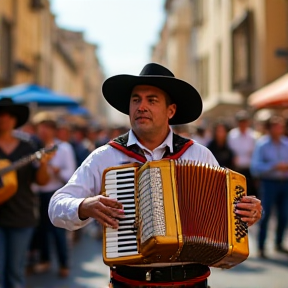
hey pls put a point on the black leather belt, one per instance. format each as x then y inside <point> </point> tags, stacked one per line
<point>162,274</point>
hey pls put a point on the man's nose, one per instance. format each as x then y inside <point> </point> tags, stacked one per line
<point>142,106</point>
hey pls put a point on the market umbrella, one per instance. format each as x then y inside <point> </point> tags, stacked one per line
<point>31,93</point>
<point>79,110</point>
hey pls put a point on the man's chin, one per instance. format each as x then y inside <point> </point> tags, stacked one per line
<point>141,128</point>
<point>142,120</point>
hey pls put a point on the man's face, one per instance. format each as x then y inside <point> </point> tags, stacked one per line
<point>243,124</point>
<point>149,111</point>
<point>277,129</point>
<point>45,132</point>
<point>7,122</point>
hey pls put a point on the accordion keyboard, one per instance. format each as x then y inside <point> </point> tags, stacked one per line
<point>120,185</point>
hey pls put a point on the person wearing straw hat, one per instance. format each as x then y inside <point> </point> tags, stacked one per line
<point>17,214</point>
<point>154,100</point>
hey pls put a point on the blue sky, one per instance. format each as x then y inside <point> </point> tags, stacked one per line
<point>125,30</point>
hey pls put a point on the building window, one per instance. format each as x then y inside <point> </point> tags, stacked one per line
<point>203,76</point>
<point>197,12</point>
<point>219,67</point>
<point>37,4</point>
<point>6,53</point>
<point>241,53</point>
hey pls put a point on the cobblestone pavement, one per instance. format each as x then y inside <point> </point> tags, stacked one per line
<point>88,270</point>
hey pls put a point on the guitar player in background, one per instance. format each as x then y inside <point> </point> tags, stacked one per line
<point>17,214</point>
<point>60,168</point>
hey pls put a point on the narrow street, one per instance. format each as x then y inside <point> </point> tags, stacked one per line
<point>88,270</point>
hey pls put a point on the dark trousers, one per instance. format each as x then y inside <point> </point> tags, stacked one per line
<point>117,284</point>
<point>14,243</point>
<point>46,228</point>
<point>274,193</point>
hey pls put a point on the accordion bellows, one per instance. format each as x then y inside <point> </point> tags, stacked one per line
<point>176,211</point>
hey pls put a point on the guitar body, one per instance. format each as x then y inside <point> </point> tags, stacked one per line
<point>9,183</point>
<point>8,175</point>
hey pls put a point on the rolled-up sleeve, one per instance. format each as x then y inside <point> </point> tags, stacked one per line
<point>64,204</point>
<point>85,182</point>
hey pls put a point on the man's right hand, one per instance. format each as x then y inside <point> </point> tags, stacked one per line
<point>105,210</point>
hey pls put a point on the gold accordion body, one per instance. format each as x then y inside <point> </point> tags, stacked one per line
<point>176,211</point>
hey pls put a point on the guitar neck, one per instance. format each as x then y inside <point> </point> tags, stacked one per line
<point>18,164</point>
<point>26,160</point>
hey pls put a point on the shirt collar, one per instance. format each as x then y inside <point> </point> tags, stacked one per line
<point>282,140</point>
<point>168,142</point>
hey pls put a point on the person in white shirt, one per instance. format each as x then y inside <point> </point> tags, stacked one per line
<point>153,100</point>
<point>60,168</point>
<point>241,141</point>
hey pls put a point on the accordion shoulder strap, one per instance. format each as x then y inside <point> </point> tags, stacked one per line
<point>180,145</point>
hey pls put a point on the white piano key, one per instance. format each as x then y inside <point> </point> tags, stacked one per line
<point>126,221</point>
<point>123,201</point>
<point>129,210</point>
<point>118,186</point>
<point>115,233</point>
<point>115,255</point>
<point>130,216</point>
<point>116,239</point>
<point>114,171</point>
<point>115,191</point>
<point>129,196</point>
<point>119,249</point>
<point>125,196</point>
<point>117,243</point>
<point>127,227</point>
<point>126,201</point>
<point>126,206</point>
<point>117,181</point>
<point>128,175</point>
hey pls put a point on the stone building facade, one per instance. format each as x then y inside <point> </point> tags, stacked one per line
<point>34,50</point>
<point>227,49</point>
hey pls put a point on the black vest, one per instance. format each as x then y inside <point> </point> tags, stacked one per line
<point>180,145</point>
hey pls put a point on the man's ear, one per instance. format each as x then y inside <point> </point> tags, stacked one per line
<point>171,110</point>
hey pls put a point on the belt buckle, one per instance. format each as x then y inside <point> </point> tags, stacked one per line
<point>181,273</point>
<point>148,275</point>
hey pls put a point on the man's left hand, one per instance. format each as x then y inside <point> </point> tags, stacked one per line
<point>249,209</point>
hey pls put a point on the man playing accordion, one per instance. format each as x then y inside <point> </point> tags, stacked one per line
<point>153,100</point>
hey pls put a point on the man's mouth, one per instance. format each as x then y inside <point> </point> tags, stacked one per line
<point>141,117</point>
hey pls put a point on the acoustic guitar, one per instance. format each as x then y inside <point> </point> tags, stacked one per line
<point>8,175</point>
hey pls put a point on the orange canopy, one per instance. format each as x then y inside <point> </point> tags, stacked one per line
<point>272,95</point>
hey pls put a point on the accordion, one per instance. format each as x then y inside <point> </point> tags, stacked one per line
<point>175,211</point>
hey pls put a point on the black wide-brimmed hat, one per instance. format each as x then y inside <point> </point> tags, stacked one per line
<point>117,91</point>
<point>20,112</point>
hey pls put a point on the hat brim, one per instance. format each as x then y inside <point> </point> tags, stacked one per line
<point>21,112</point>
<point>117,91</point>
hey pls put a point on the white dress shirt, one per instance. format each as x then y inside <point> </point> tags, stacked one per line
<point>87,180</point>
<point>242,144</point>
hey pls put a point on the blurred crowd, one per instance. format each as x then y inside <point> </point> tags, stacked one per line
<point>74,143</point>
<point>259,154</point>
